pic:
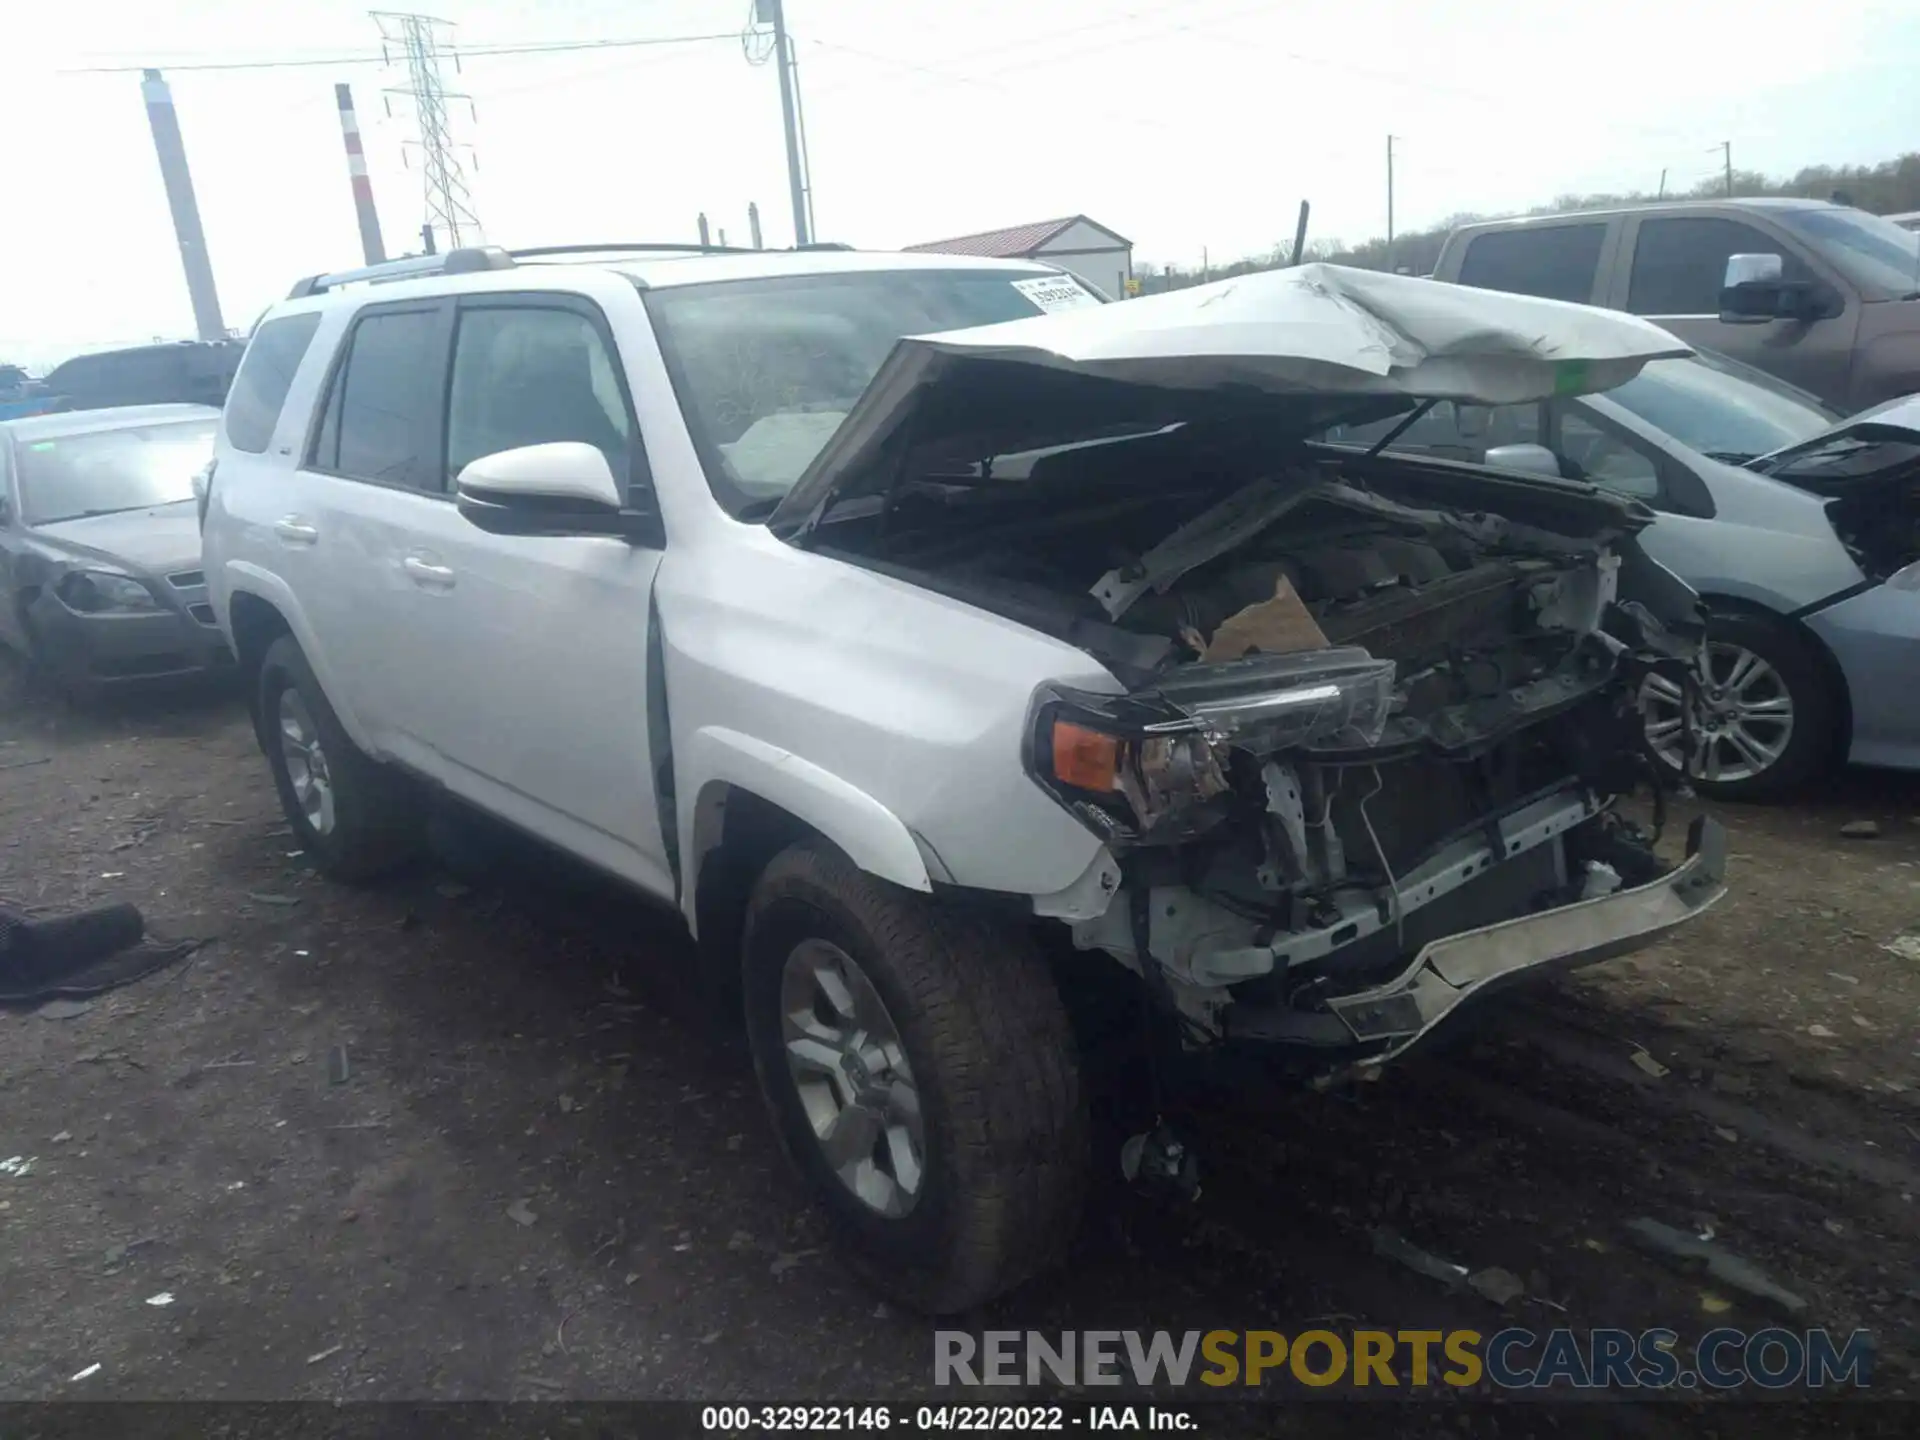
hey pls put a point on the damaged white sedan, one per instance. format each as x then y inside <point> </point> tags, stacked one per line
<point>915,674</point>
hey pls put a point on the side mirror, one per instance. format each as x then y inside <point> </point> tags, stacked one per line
<point>1532,459</point>
<point>561,488</point>
<point>1755,291</point>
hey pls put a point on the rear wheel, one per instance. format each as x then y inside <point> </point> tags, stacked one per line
<point>921,1075</point>
<point>358,818</point>
<point>1765,719</point>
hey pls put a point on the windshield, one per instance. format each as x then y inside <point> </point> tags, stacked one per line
<point>104,471</point>
<point>1721,409</point>
<point>1871,251</point>
<point>767,369</point>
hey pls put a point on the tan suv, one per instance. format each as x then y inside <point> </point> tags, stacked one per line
<point>1823,296</point>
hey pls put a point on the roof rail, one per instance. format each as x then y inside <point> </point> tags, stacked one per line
<point>629,247</point>
<point>471,259</point>
<point>657,247</point>
<point>465,260</point>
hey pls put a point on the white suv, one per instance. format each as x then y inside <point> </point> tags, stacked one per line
<point>902,669</point>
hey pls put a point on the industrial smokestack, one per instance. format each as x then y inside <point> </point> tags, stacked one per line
<point>186,214</point>
<point>370,243</point>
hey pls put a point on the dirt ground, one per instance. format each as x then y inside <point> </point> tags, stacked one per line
<point>545,1172</point>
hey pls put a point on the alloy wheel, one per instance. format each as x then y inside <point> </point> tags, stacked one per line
<point>850,1072</point>
<point>1742,719</point>
<point>306,762</point>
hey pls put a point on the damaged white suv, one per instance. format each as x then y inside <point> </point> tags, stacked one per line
<point>901,668</point>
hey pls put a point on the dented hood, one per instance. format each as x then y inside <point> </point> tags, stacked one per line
<point>1883,442</point>
<point>1314,330</point>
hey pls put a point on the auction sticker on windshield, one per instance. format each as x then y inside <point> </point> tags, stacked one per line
<point>1056,292</point>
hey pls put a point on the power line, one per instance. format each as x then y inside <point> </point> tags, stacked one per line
<point>1027,45</point>
<point>374,58</point>
<point>494,93</point>
<point>1157,128</point>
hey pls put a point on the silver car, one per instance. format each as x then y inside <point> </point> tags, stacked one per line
<point>100,579</point>
<point>1800,529</point>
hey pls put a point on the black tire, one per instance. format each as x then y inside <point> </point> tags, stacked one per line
<point>76,694</point>
<point>1813,743</point>
<point>379,820</point>
<point>993,1058</point>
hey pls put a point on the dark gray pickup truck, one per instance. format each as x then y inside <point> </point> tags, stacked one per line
<point>1824,296</point>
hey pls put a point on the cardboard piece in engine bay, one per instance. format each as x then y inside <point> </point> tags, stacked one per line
<point>1330,848</point>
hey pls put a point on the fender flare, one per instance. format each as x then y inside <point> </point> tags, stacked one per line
<point>715,759</point>
<point>247,579</point>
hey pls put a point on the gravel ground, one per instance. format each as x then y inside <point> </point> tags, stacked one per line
<point>545,1173</point>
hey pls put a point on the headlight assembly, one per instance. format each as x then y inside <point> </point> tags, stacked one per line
<point>101,592</point>
<point>1153,767</point>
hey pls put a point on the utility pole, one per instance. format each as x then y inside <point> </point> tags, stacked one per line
<point>172,152</point>
<point>370,243</point>
<point>753,224</point>
<point>421,41</point>
<point>1389,204</point>
<point>772,13</point>
<point>1663,186</point>
<point>1726,149</point>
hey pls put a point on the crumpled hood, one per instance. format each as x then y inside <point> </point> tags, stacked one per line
<point>1887,451</point>
<point>160,540</point>
<point>1312,330</point>
<point>1896,419</point>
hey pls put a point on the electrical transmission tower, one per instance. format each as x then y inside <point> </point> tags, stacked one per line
<point>420,42</point>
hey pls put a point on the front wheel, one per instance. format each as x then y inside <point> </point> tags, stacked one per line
<point>1765,717</point>
<point>921,1075</point>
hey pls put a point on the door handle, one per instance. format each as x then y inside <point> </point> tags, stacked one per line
<point>425,573</point>
<point>295,531</point>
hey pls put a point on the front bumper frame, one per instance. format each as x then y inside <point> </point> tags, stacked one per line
<point>1388,1019</point>
<point>111,649</point>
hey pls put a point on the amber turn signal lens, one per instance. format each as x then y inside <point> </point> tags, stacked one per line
<point>1083,758</point>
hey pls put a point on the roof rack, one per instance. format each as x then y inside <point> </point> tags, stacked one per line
<point>464,261</point>
<point>472,259</point>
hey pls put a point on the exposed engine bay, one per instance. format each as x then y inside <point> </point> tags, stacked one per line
<point>1871,476</point>
<point>1371,703</point>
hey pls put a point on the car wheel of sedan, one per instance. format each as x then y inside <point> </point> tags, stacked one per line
<point>43,672</point>
<point>1764,719</point>
<point>921,1075</point>
<point>358,819</point>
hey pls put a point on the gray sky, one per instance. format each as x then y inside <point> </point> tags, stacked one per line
<point>1182,124</point>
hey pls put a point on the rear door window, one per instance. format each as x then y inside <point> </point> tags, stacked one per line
<point>1556,262</point>
<point>266,374</point>
<point>382,418</point>
<point>1680,262</point>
